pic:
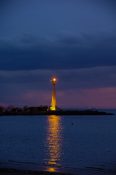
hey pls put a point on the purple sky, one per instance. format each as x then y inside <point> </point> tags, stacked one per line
<point>74,40</point>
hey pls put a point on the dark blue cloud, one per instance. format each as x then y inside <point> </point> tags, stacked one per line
<point>66,52</point>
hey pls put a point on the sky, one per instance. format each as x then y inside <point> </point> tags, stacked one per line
<point>72,39</point>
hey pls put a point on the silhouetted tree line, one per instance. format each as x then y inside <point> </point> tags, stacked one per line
<point>22,110</point>
<point>45,110</point>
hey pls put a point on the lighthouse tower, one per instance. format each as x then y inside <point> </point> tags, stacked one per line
<point>53,101</point>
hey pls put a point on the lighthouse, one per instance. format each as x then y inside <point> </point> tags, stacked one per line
<point>53,106</point>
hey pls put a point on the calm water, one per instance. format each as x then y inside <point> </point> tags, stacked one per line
<point>54,143</point>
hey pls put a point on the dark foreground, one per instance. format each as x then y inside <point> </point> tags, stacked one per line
<point>87,171</point>
<point>45,110</point>
<point>4,171</point>
<point>58,112</point>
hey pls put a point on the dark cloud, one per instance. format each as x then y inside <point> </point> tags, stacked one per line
<point>66,52</point>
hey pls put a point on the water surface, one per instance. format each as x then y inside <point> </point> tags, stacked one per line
<point>54,143</point>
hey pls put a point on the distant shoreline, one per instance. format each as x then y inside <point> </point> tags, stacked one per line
<point>58,112</point>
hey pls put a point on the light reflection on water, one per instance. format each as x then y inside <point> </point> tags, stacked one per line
<point>53,143</point>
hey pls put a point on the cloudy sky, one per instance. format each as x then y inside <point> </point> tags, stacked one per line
<point>72,39</point>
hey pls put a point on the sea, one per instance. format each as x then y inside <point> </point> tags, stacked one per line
<point>75,144</point>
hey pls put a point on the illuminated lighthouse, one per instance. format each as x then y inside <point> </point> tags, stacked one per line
<point>53,102</point>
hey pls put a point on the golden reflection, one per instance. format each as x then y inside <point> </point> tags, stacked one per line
<point>51,170</point>
<point>54,143</point>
